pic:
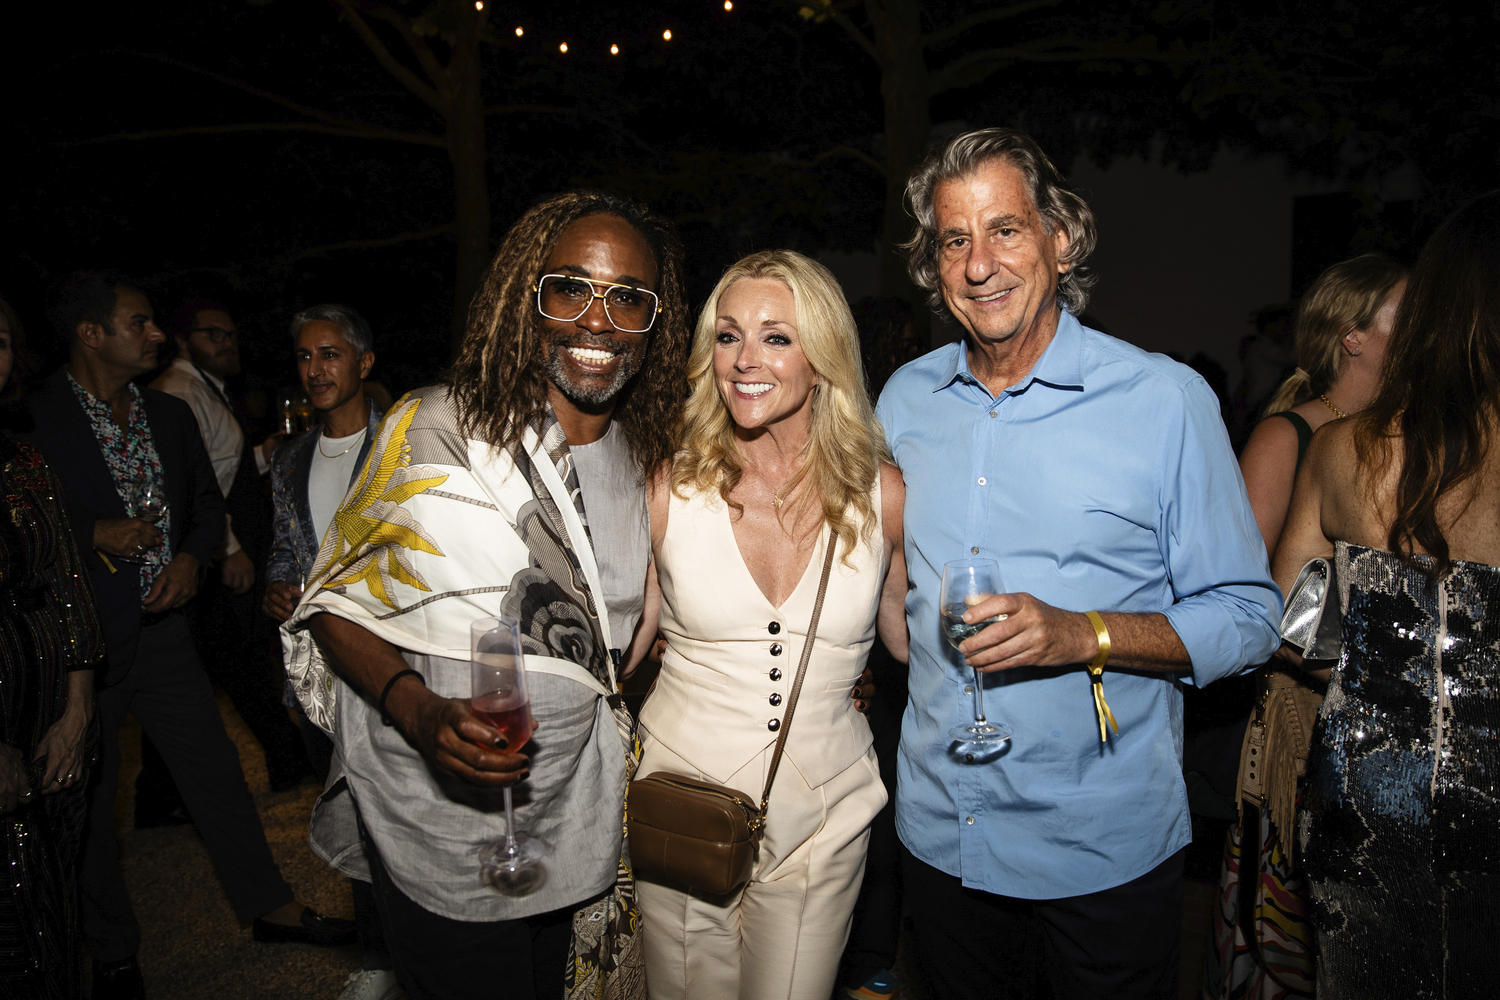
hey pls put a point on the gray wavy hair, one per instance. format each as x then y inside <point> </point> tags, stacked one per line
<point>1054,198</point>
<point>356,330</point>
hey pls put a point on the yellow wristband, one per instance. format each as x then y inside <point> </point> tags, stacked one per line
<point>1096,676</point>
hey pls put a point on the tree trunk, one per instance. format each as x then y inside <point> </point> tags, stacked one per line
<point>908,121</point>
<point>471,195</point>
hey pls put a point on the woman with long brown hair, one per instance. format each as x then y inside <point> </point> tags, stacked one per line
<point>1262,940</point>
<point>1401,812</point>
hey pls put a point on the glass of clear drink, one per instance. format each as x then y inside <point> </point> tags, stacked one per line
<point>967,582</point>
<point>513,866</point>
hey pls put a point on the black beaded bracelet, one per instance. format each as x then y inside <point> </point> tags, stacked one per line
<point>385,716</point>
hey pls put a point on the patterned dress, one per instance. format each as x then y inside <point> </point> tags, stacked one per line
<point>1400,833</point>
<point>47,628</point>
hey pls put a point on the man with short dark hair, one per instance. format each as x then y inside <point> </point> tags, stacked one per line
<point>1101,480</point>
<point>111,444</point>
<point>309,477</point>
<point>233,640</point>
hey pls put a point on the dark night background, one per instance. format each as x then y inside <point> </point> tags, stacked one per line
<point>206,146</point>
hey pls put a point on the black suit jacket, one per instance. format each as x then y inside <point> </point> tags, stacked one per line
<point>66,439</point>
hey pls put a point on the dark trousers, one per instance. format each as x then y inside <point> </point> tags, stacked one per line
<point>373,952</point>
<point>168,693</point>
<point>877,915</point>
<point>1118,944</point>
<point>441,959</point>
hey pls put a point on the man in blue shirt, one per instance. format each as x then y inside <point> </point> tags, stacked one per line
<point>1101,479</point>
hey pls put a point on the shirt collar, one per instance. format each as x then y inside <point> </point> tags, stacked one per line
<point>1059,367</point>
<point>186,365</point>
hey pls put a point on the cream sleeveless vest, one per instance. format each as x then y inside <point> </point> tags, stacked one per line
<point>732,656</point>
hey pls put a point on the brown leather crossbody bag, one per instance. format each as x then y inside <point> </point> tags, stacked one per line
<point>692,832</point>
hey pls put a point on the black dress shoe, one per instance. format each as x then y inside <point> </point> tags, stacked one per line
<point>314,929</point>
<point>118,981</point>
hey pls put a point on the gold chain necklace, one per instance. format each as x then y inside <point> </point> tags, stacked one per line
<point>1336,411</point>
<point>358,438</point>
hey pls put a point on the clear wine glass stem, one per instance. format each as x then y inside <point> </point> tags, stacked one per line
<point>510,825</point>
<point>978,697</point>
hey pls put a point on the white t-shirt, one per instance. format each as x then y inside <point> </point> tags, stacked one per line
<point>328,479</point>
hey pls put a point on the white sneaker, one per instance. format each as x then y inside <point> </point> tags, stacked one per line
<point>372,984</point>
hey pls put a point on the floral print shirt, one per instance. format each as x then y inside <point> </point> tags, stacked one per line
<point>133,462</point>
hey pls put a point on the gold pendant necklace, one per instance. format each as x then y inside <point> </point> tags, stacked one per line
<point>358,438</point>
<point>1336,411</point>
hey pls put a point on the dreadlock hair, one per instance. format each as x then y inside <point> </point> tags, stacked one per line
<point>499,381</point>
<point>1440,390</point>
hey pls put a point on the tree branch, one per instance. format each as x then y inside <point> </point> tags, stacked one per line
<point>536,109</point>
<point>859,155</point>
<point>435,70</point>
<point>975,66</point>
<point>964,24</point>
<point>378,241</point>
<point>860,38</point>
<point>421,88</point>
<point>347,132</point>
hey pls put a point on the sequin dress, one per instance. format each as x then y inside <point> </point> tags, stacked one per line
<point>47,628</point>
<point>1401,829</point>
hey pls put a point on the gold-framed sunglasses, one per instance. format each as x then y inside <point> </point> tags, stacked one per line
<point>565,297</point>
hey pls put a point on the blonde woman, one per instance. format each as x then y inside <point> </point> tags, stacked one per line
<point>779,445</point>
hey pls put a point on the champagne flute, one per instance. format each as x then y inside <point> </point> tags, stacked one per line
<point>967,582</point>
<point>513,866</point>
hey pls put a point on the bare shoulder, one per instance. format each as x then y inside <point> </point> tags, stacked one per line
<point>1271,450</point>
<point>1332,451</point>
<point>892,500</point>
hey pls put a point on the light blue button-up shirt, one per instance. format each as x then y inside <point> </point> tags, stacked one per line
<point>1102,480</point>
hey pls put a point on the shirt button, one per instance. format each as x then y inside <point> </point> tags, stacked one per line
<point>973,550</point>
<point>775,698</point>
<point>981,480</point>
<point>968,759</point>
<point>775,724</point>
<point>968,689</point>
<point>969,820</point>
<point>775,674</point>
<point>774,627</point>
<point>775,649</point>
<point>992,413</point>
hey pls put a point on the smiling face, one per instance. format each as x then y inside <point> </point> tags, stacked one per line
<point>221,359</point>
<point>762,373</point>
<point>588,360</point>
<point>997,263</point>
<point>332,374</point>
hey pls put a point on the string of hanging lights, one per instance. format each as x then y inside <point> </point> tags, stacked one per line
<point>614,47</point>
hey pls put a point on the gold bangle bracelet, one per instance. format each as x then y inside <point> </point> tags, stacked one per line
<point>1096,676</point>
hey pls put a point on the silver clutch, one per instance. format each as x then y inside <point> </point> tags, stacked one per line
<point>1311,623</point>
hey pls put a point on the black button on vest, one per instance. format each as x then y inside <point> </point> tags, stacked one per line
<point>775,673</point>
<point>774,627</point>
<point>775,649</point>
<point>774,725</point>
<point>775,698</point>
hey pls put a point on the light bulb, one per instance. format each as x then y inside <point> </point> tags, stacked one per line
<point>479,4</point>
<point>614,50</point>
<point>563,47</point>
<point>666,36</point>
<point>520,32</point>
<point>729,4</point>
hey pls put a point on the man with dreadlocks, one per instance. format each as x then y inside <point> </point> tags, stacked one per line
<point>516,488</point>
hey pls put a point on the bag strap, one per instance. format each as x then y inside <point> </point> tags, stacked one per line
<point>791,702</point>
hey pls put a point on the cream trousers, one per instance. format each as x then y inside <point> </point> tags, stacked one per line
<point>781,937</point>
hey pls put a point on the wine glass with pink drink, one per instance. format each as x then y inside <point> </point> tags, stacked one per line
<point>513,866</point>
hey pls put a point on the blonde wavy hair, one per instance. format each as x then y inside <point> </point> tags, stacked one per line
<point>845,443</point>
<point>1345,297</point>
